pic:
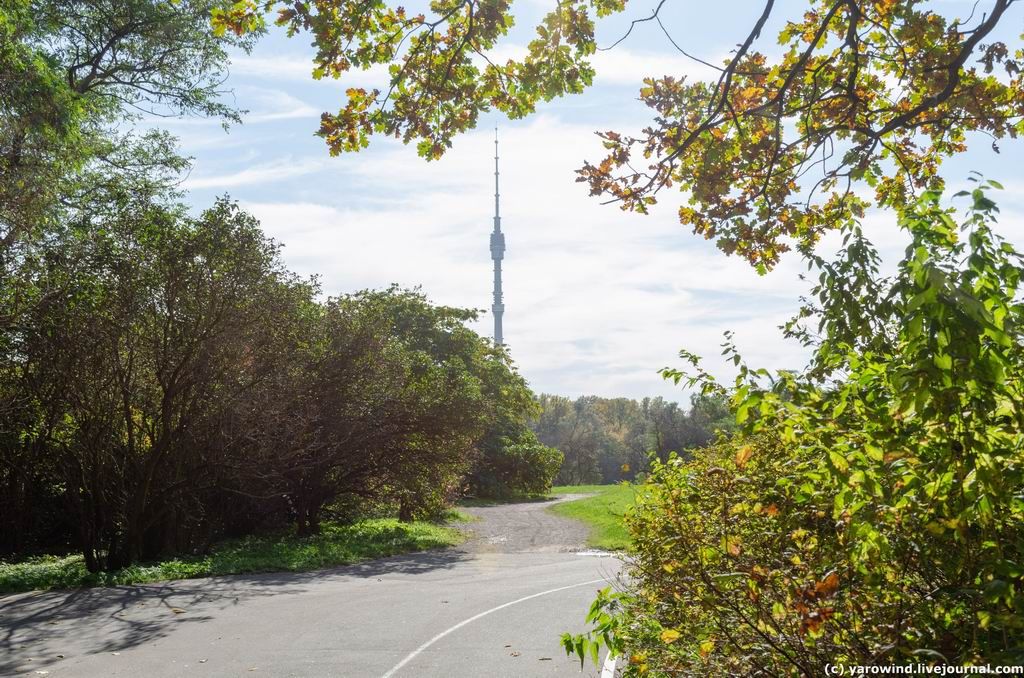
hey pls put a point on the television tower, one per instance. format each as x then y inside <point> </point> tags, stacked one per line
<point>497,253</point>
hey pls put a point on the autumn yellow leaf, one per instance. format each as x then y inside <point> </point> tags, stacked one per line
<point>669,636</point>
<point>743,455</point>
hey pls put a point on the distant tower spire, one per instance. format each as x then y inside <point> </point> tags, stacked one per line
<point>497,252</point>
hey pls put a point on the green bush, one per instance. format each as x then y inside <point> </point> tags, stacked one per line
<point>513,463</point>
<point>874,512</point>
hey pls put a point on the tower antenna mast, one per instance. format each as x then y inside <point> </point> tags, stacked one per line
<point>497,252</point>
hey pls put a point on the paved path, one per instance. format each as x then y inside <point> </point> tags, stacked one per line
<point>494,607</point>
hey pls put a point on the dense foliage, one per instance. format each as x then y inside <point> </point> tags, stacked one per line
<point>861,106</point>
<point>72,72</point>
<point>874,511</point>
<point>183,385</point>
<point>607,440</point>
<point>513,462</point>
<point>164,379</point>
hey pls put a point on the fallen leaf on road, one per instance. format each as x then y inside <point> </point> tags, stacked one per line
<point>514,653</point>
<point>203,661</point>
<point>177,610</point>
<point>60,656</point>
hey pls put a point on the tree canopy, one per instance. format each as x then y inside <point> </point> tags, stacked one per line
<point>609,440</point>
<point>770,154</point>
<point>73,73</point>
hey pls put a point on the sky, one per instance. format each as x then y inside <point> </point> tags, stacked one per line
<point>597,300</point>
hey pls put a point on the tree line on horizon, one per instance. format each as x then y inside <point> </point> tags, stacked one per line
<point>609,440</point>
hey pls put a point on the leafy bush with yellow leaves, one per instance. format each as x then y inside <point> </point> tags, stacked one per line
<point>873,511</point>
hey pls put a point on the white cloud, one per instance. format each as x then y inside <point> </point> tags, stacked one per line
<point>285,66</point>
<point>263,173</point>
<point>298,68</point>
<point>596,300</point>
<point>267,105</point>
<point>621,66</point>
<point>262,105</point>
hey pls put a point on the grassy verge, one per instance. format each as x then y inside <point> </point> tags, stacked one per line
<point>586,489</point>
<point>335,545</point>
<point>603,512</point>
<point>454,515</point>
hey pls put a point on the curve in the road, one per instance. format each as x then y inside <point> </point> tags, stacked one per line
<point>412,655</point>
<point>352,622</point>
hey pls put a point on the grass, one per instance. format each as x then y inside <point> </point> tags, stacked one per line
<point>586,489</point>
<point>454,515</point>
<point>283,552</point>
<point>603,512</point>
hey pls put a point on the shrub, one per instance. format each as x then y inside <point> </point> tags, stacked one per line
<point>874,513</point>
<point>514,465</point>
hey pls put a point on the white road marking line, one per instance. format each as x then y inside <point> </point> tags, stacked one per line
<point>412,655</point>
<point>608,669</point>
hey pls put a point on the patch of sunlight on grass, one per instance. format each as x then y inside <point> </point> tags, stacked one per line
<point>603,512</point>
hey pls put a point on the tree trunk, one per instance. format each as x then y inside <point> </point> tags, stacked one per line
<point>91,562</point>
<point>309,520</point>
<point>405,512</point>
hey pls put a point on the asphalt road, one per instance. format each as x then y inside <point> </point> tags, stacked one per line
<point>494,607</point>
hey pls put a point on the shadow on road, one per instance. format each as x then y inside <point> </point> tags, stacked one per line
<point>35,628</point>
<point>410,563</point>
